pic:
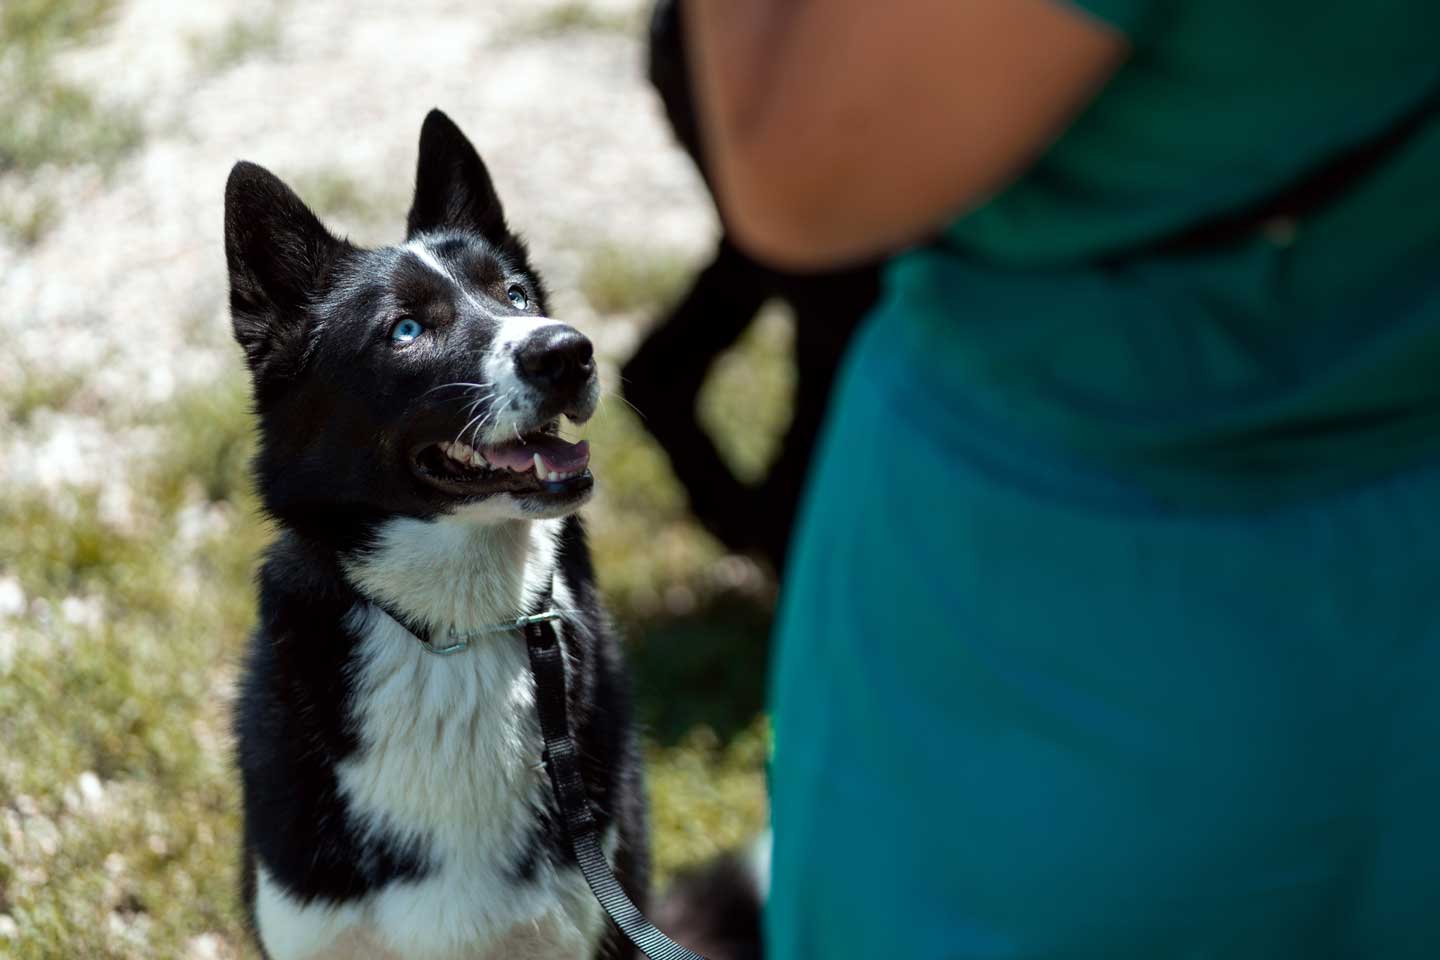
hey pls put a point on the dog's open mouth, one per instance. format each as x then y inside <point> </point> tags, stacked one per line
<point>540,463</point>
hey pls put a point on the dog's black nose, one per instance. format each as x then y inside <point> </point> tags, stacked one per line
<point>556,358</point>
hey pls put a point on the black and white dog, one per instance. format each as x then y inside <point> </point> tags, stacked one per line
<point>409,401</point>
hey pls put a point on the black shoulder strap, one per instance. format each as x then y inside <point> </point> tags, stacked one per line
<point>1313,191</point>
<point>547,664</point>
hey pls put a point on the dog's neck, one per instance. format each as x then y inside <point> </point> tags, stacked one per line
<point>456,574</point>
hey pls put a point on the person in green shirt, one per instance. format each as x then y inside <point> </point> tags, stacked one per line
<point>1112,623</point>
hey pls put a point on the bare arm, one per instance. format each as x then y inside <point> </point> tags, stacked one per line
<point>841,129</point>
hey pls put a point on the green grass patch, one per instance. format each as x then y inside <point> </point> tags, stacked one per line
<point>704,668</point>
<point>707,796</point>
<point>336,196</point>
<point>30,393</point>
<point>746,401</point>
<point>211,439</point>
<point>574,16</point>
<point>37,26</point>
<point>241,39</point>
<point>619,279</point>
<point>47,119</point>
<point>27,219</point>
<point>113,701</point>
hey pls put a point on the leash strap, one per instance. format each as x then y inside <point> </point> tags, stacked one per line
<point>547,664</point>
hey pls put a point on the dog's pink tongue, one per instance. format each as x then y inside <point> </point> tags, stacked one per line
<point>558,455</point>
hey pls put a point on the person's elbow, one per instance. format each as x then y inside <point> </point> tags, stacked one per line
<point>798,216</point>
<point>795,226</point>
<point>791,233</point>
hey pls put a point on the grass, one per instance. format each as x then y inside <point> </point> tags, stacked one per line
<point>29,392</point>
<point>745,403</point>
<point>239,40</point>
<point>619,279</point>
<point>116,798</point>
<point>49,121</point>
<point>573,16</point>
<point>343,201</point>
<point>39,25</point>
<point>27,219</point>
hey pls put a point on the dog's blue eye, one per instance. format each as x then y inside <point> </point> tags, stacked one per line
<point>517,297</point>
<point>405,331</point>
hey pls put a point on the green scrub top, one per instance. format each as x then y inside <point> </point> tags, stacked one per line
<point>1111,627</point>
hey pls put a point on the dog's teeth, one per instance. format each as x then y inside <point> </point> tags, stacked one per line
<point>476,460</point>
<point>539,468</point>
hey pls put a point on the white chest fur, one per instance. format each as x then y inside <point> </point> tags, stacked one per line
<point>449,761</point>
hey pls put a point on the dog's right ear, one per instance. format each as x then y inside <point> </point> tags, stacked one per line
<point>453,190</point>
<point>279,254</point>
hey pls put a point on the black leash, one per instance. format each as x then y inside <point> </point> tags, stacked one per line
<point>562,763</point>
<point>547,665</point>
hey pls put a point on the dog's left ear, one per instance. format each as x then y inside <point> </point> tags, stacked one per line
<point>452,187</point>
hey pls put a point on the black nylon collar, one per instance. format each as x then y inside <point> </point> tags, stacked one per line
<point>454,642</point>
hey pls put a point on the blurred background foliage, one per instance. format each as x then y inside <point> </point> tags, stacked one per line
<point>125,598</point>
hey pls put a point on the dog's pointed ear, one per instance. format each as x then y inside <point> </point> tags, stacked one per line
<point>279,254</point>
<point>452,187</point>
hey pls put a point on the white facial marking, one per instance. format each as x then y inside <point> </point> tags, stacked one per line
<point>425,255</point>
<point>500,370</point>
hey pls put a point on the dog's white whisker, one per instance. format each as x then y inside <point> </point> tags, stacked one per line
<point>621,397</point>
<point>492,416</point>
<point>458,383</point>
<point>462,432</point>
<point>470,407</point>
<point>475,435</point>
